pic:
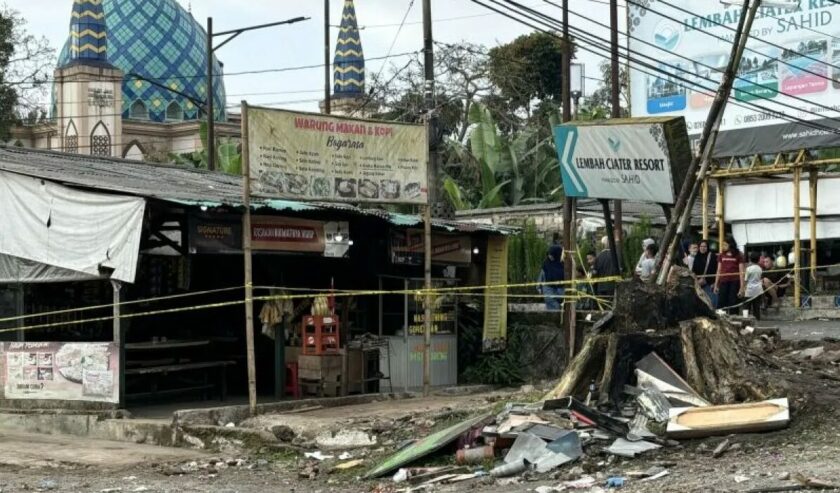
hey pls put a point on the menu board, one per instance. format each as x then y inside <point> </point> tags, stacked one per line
<point>308,156</point>
<point>61,371</point>
<point>495,295</point>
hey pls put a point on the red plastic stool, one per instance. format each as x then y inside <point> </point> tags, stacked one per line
<point>292,387</point>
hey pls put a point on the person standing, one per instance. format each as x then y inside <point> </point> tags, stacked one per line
<point>688,260</point>
<point>705,268</point>
<point>553,271</point>
<point>648,265</point>
<point>645,244</point>
<point>754,287</point>
<point>605,267</point>
<point>729,282</point>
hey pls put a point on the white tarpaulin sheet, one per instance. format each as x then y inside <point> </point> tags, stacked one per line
<point>45,223</point>
<point>762,213</point>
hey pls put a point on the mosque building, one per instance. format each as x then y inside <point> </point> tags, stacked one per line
<point>131,82</point>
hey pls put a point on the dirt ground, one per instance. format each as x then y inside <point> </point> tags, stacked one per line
<point>810,446</point>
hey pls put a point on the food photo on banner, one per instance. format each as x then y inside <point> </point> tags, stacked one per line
<point>309,156</point>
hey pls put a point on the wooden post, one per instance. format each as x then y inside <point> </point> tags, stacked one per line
<point>246,250</point>
<point>427,311</point>
<point>720,209</point>
<point>570,203</point>
<point>119,340</point>
<point>705,208</point>
<point>572,312</point>
<point>797,242</point>
<point>813,205</point>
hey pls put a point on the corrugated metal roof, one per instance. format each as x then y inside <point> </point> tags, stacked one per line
<point>184,185</point>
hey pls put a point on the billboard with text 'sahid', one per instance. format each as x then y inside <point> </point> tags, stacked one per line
<point>787,86</point>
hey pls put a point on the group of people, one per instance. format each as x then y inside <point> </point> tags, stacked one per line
<point>731,280</point>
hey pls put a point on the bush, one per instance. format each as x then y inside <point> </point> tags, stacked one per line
<point>526,253</point>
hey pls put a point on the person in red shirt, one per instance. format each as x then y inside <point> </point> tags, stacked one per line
<point>729,282</point>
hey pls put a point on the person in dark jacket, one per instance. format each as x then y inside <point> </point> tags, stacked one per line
<point>605,267</point>
<point>705,267</point>
<point>553,271</point>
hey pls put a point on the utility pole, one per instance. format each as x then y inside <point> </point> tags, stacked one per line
<point>327,64</point>
<point>690,188</point>
<point>616,113</point>
<point>209,103</point>
<point>570,203</point>
<point>432,196</point>
<point>211,120</point>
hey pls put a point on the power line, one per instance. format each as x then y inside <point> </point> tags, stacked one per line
<point>671,66</point>
<point>762,109</point>
<point>233,74</point>
<point>716,69</point>
<point>769,43</point>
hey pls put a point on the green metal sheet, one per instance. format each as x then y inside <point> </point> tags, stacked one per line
<point>424,447</point>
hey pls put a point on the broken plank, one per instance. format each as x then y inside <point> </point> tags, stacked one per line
<point>723,420</point>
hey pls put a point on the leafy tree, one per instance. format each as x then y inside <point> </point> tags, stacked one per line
<point>25,65</point>
<point>601,99</point>
<point>528,69</point>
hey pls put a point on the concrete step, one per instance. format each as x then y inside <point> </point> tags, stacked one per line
<point>789,313</point>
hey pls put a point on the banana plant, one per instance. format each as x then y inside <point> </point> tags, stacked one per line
<point>228,154</point>
<point>508,170</point>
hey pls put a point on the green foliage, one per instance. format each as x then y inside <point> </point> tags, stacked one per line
<point>501,368</point>
<point>526,253</point>
<point>228,154</point>
<point>633,243</point>
<point>8,96</point>
<point>600,101</point>
<point>528,68</point>
<point>497,170</point>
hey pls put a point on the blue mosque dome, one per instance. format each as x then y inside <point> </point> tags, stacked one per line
<point>349,62</point>
<point>155,39</point>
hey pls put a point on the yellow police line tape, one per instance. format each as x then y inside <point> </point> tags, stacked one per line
<point>416,292</point>
<point>310,291</point>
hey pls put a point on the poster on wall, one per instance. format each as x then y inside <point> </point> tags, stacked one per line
<point>308,156</point>
<point>791,65</point>
<point>629,159</point>
<point>61,371</point>
<point>408,248</point>
<point>495,298</point>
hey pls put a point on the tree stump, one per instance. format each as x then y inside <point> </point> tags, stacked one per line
<point>677,322</point>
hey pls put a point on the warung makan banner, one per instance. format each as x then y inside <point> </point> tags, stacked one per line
<point>633,159</point>
<point>791,66</point>
<point>308,156</point>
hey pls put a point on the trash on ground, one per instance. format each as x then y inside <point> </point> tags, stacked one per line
<point>722,420</point>
<point>317,455</point>
<point>626,448</point>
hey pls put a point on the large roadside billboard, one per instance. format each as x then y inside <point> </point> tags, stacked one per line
<point>308,156</point>
<point>634,159</point>
<point>800,69</point>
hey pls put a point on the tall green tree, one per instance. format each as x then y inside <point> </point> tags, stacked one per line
<point>600,102</point>
<point>26,63</point>
<point>528,69</point>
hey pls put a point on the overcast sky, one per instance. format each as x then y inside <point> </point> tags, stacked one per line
<point>302,44</point>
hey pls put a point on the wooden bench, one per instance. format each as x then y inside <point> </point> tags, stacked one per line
<point>181,368</point>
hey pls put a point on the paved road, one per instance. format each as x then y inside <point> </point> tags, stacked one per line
<point>37,450</point>
<point>808,330</point>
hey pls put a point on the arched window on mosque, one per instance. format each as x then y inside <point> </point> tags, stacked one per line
<point>139,111</point>
<point>174,112</point>
<point>71,138</point>
<point>100,141</point>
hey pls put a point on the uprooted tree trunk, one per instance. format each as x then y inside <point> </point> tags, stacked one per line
<point>675,321</point>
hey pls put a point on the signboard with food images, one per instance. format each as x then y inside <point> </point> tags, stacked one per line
<point>309,156</point>
<point>61,371</point>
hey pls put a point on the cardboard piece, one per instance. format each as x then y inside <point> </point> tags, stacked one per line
<point>723,420</point>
